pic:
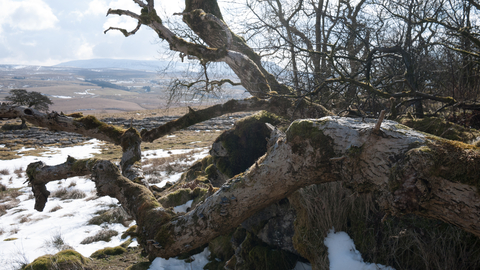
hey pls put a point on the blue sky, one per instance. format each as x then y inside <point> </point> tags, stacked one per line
<point>48,32</point>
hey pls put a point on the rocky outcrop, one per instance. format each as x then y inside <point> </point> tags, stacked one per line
<point>39,137</point>
<point>35,136</point>
<point>219,123</point>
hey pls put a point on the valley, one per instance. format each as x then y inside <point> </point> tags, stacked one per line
<point>113,86</point>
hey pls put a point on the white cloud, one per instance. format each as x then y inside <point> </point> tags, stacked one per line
<point>76,32</point>
<point>97,7</point>
<point>29,43</point>
<point>85,51</point>
<point>26,15</point>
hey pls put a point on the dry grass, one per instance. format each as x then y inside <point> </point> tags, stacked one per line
<point>103,235</point>
<point>14,230</point>
<point>55,208</point>
<point>114,215</point>
<point>18,172</point>
<point>4,172</point>
<point>24,218</point>
<point>57,243</point>
<point>68,193</point>
<point>408,242</point>
<point>8,198</point>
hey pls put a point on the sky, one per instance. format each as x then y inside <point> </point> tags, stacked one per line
<point>48,32</point>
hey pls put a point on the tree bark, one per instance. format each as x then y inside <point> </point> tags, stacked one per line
<point>408,171</point>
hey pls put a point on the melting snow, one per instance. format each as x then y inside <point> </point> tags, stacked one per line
<point>342,254</point>
<point>32,229</point>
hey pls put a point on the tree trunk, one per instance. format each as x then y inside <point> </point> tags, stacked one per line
<point>409,172</point>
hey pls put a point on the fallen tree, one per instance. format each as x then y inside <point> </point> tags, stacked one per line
<point>409,172</point>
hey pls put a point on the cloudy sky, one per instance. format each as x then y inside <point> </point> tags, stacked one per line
<point>48,32</point>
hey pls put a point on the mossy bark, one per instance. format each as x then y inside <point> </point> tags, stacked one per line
<point>40,174</point>
<point>409,172</point>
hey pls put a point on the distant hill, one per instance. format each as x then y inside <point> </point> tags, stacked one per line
<point>163,66</point>
<point>143,65</point>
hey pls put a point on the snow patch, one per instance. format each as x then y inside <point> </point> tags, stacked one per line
<point>342,254</point>
<point>183,207</point>
<point>200,260</point>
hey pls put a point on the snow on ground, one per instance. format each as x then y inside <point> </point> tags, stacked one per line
<point>342,254</point>
<point>33,230</point>
<point>160,153</point>
<point>183,208</point>
<point>199,262</point>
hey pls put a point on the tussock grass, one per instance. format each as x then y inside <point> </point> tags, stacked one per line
<point>109,251</point>
<point>103,235</point>
<point>18,172</point>
<point>153,167</point>
<point>57,242</point>
<point>24,219</point>
<point>55,208</point>
<point>407,242</point>
<point>65,259</point>
<point>115,215</point>
<point>8,198</point>
<point>66,194</point>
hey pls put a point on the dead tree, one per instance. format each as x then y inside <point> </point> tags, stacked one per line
<point>409,172</point>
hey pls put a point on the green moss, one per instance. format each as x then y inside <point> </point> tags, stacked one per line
<point>75,115</point>
<point>453,160</point>
<point>304,132</point>
<point>139,266</point>
<point>258,255</point>
<point>132,232</point>
<point>32,168</point>
<point>354,151</point>
<point>210,170</point>
<point>65,259</point>
<point>126,243</point>
<point>164,235</point>
<point>178,197</point>
<point>90,122</point>
<point>308,242</point>
<point>109,251</point>
<point>221,248</point>
<point>10,239</point>
<point>83,164</point>
<point>149,17</point>
<point>440,127</point>
<point>199,195</point>
<point>183,195</point>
